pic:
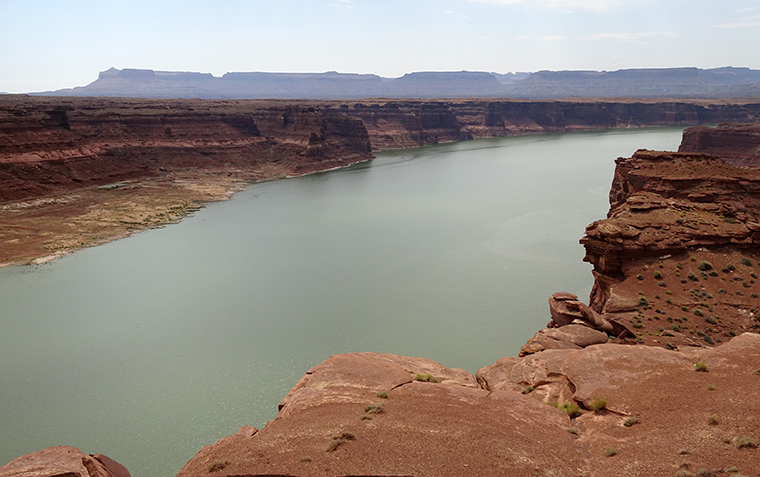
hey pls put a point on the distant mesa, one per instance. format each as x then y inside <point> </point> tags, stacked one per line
<point>725,82</point>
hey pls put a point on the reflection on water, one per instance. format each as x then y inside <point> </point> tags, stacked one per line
<point>148,348</point>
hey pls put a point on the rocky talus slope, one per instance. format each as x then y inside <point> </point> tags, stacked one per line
<point>657,376</point>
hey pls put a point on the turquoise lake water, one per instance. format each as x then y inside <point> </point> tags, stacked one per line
<point>148,348</point>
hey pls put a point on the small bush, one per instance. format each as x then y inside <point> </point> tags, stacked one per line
<point>657,274</point>
<point>712,420</point>
<point>598,405</point>
<point>573,431</point>
<point>527,389</point>
<point>712,321</point>
<point>643,301</point>
<point>427,378</point>
<point>705,266</point>
<point>631,421</point>
<point>746,261</point>
<point>698,312</point>
<point>711,387</point>
<point>218,465</point>
<point>374,408</point>
<point>693,277</point>
<point>382,394</point>
<point>570,409</point>
<point>746,442</point>
<point>700,366</point>
<point>610,452</point>
<point>305,458</point>
<point>338,439</point>
<point>728,268</point>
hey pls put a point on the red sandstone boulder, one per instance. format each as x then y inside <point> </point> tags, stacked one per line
<point>565,337</point>
<point>63,461</point>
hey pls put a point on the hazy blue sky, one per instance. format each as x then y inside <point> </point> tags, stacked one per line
<point>52,44</point>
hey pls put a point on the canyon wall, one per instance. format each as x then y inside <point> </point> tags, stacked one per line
<point>49,145</point>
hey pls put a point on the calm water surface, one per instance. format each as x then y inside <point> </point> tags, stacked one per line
<point>148,348</point>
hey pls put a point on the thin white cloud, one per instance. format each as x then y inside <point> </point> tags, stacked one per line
<point>343,4</point>
<point>542,37</point>
<point>630,36</point>
<point>748,22</point>
<point>567,5</point>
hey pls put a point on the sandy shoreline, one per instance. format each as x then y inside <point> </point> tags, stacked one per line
<point>40,230</point>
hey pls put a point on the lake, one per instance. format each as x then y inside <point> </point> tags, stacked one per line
<point>148,348</point>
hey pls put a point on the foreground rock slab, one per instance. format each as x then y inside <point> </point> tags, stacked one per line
<point>63,461</point>
<point>366,414</point>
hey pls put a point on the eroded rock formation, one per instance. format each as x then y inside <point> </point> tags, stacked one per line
<point>737,144</point>
<point>63,461</point>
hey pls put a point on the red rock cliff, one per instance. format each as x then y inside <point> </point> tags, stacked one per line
<point>49,145</point>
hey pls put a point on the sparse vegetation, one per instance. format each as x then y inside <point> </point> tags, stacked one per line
<point>746,261</point>
<point>573,431</point>
<point>305,458</point>
<point>728,268</point>
<point>218,465</point>
<point>700,366</point>
<point>657,274</point>
<point>374,408</point>
<point>527,389</point>
<point>632,421</point>
<point>746,443</point>
<point>571,409</point>
<point>610,452</point>
<point>712,420</point>
<point>598,405</point>
<point>382,394</point>
<point>427,378</point>
<point>338,439</point>
<point>705,266</point>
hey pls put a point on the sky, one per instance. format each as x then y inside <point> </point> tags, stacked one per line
<point>52,44</point>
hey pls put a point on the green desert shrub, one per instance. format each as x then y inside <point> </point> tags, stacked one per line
<point>705,266</point>
<point>632,421</point>
<point>728,268</point>
<point>218,465</point>
<point>382,394</point>
<point>374,408</point>
<point>598,404</point>
<point>746,442</point>
<point>700,366</point>
<point>338,439</point>
<point>610,452</point>
<point>746,261</point>
<point>571,409</point>
<point>657,274</point>
<point>427,378</point>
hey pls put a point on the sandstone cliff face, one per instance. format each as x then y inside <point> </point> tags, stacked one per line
<point>737,144</point>
<point>52,145</point>
<point>49,145</point>
<point>395,124</point>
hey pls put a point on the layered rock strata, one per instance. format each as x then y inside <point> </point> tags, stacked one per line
<point>737,144</point>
